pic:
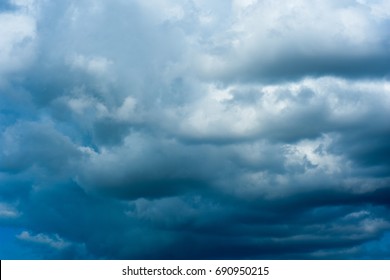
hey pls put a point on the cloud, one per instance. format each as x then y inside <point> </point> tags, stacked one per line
<point>56,242</point>
<point>300,39</point>
<point>194,129</point>
<point>55,246</point>
<point>18,33</point>
<point>33,145</point>
<point>7,211</point>
<point>286,112</point>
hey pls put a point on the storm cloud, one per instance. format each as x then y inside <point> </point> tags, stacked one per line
<point>194,129</point>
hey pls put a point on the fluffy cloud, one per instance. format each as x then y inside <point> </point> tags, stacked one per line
<point>18,33</point>
<point>194,129</point>
<point>273,41</point>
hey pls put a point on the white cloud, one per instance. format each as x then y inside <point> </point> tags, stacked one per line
<point>94,65</point>
<point>8,211</point>
<point>357,215</point>
<point>18,34</point>
<point>379,8</point>
<point>306,107</point>
<point>374,225</point>
<point>300,33</point>
<point>127,110</point>
<point>54,241</point>
<point>314,154</point>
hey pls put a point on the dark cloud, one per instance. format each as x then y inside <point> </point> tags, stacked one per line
<point>365,151</point>
<point>191,130</point>
<point>298,65</point>
<point>110,132</point>
<point>32,145</point>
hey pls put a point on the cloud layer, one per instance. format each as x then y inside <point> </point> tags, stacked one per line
<point>194,130</point>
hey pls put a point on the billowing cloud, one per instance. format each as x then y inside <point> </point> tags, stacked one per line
<point>194,129</point>
<point>275,41</point>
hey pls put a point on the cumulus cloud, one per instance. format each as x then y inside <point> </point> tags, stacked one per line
<point>194,129</point>
<point>273,41</point>
<point>18,33</point>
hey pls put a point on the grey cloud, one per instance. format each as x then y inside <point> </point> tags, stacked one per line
<point>195,130</point>
<point>297,65</point>
<point>110,132</point>
<point>27,145</point>
<point>147,167</point>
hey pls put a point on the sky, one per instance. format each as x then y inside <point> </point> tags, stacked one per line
<point>195,129</point>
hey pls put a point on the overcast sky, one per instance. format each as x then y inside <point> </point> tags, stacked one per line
<point>195,129</point>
